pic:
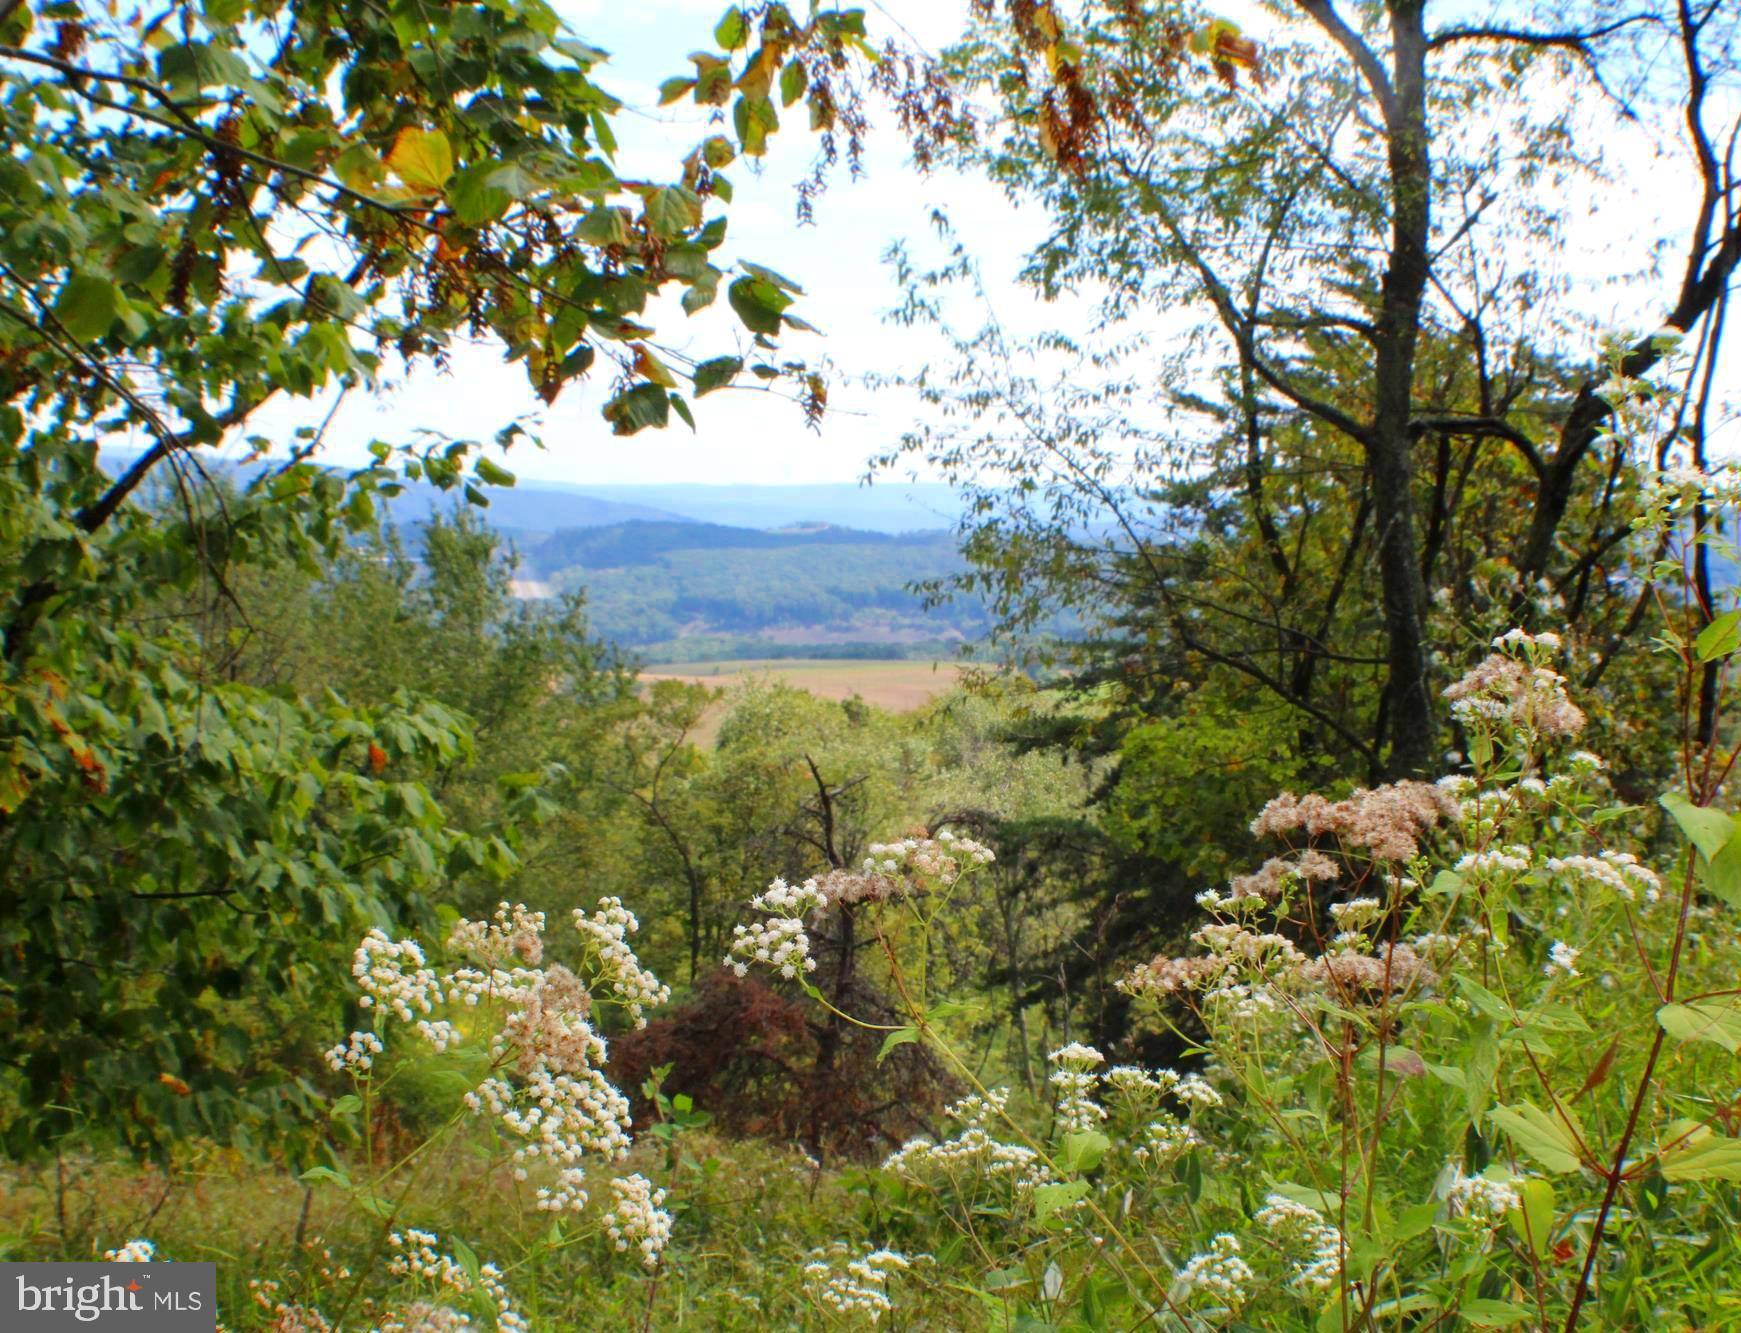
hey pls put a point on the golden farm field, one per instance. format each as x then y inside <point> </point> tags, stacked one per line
<point>895,684</point>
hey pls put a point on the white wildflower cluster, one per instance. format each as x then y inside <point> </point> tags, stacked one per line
<point>439,1033</point>
<point>638,1218</point>
<point>133,1252</point>
<point>780,941</point>
<point>1671,490</point>
<point>1075,1081</point>
<point>393,974</point>
<point>1480,1198</point>
<point>355,1055</point>
<point>1514,690</point>
<point>1356,913</point>
<point>777,942</point>
<point>856,1287</point>
<point>289,1316</point>
<point>973,1149</point>
<point>1319,1247</point>
<point>940,860</point>
<point>608,930</point>
<point>1618,871</point>
<point>1562,957</point>
<point>1219,1272</point>
<point>419,1317</point>
<point>1164,1140</point>
<point>546,1086</point>
<point>415,1257</point>
<point>1197,1092</point>
<point>514,934</point>
<point>1493,861</point>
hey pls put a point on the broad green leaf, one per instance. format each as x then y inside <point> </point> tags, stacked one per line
<point>779,280</point>
<point>423,159</point>
<point>1049,1198</point>
<point>1484,1313</point>
<point>717,373</point>
<point>1084,1150</point>
<point>1693,1151</point>
<point>1539,1134</point>
<point>758,304</point>
<point>793,81</point>
<point>899,1037</point>
<point>475,198</point>
<point>88,306</point>
<point>491,473</point>
<point>673,89</point>
<point>733,30</point>
<point>1722,873</point>
<point>673,211</point>
<point>640,407</point>
<point>603,226</point>
<point>1705,828</point>
<point>1534,1221</point>
<point>1720,638</point>
<point>1716,1021</point>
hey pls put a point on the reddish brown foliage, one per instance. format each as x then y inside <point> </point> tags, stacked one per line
<point>748,1055</point>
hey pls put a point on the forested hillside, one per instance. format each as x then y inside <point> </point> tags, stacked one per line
<point>678,591</point>
<point>1319,907</point>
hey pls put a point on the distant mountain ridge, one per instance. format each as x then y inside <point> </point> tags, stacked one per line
<point>826,571</point>
<point>536,505</point>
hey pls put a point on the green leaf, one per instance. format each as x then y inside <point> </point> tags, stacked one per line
<point>673,211</point>
<point>1539,1134</point>
<point>1484,1313</point>
<point>1722,873</point>
<point>640,407</point>
<point>603,226</point>
<point>777,279</point>
<point>1706,829</point>
<point>476,199</point>
<point>1084,1150</point>
<point>758,303</point>
<point>673,89</point>
<point>1716,1021</point>
<point>1720,638</point>
<point>88,306</point>
<point>1534,1221</point>
<point>491,473</point>
<point>899,1037</point>
<point>1694,1151</point>
<point>681,408</point>
<point>716,374</point>
<point>423,159</point>
<point>733,30</point>
<point>794,79</point>
<point>1049,1198</point>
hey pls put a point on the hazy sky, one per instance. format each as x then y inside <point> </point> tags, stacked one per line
<point>752,437</point>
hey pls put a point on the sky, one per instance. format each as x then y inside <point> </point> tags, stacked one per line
<point>839,260</point>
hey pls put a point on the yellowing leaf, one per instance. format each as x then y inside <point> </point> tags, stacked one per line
<point>1540,1134</point>
<point>650,367</point>
<point>423,159</point>
<point>1716,1021</point>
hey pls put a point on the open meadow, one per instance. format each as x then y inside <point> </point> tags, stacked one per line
<point>894,684</point>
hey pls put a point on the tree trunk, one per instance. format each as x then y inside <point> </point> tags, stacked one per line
<point>1390,448</point>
